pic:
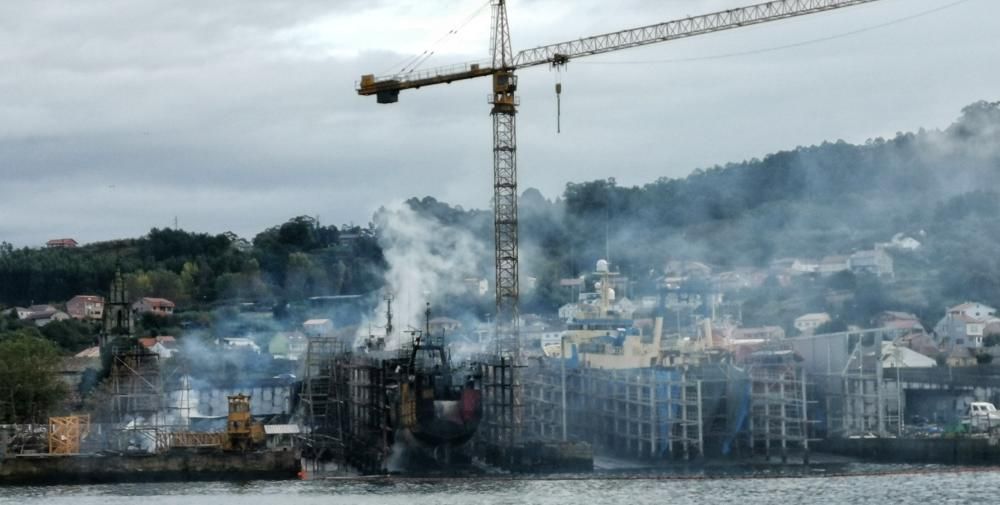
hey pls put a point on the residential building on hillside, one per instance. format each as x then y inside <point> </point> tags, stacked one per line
<point>763,333</point>
<point>288,345</point>
<point>164,346</point>
<point>43,318</point>
<point>965,325</point>
<point>807,323</point>
<point>158,306</point>
<point>568,311</point>
<point>898,321</point>
<point>960,356</point>
<point>61,243</point>
<point>687,269</point>
<point>40,315</point>
<point>974,310</point>
<point>318,327</point>
<point>794,266</point>
<point>239,344</point>
<point>86,307</point>
<point>875,262</point>
<point>896,356</point>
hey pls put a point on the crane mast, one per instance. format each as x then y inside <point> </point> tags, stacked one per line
<point>504,114</point>
<point>501,67</point>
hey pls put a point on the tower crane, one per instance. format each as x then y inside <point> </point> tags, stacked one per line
<point>502,66</point>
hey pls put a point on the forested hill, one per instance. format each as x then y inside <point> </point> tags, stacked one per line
<point>940,186</point>
<point>937,185</point>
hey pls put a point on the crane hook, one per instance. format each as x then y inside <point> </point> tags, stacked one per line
<point>558,107</point>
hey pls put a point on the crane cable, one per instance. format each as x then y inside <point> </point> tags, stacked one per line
<point>782,47</point>
<point>558,76</point>
<point>411,63</point>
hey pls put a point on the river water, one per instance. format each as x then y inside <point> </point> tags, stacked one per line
<point>920,485</point>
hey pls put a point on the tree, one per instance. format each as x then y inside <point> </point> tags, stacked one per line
<point>832,326</point>
<point>71,335</point>
<point>30,387</point>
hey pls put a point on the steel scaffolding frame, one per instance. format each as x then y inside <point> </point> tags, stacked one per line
<point>137,394</point>
<point>779,404</point>
<point>646,413</point>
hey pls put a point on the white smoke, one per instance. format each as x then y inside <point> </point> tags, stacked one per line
<point>428,261</point>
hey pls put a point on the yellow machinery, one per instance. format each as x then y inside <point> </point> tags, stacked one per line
<point>65,433</point>
<point>242,433</point>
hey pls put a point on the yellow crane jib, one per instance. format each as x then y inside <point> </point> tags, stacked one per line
<point>386,89</point>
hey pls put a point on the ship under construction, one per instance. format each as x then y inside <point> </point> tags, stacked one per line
<point>363,403</point>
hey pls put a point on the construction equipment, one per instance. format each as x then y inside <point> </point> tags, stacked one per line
<point>65,433</point>
<point>502,66</point>
<point>242,432</point>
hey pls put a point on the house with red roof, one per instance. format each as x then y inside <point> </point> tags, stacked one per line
<point>158,306</point>
<point>165,346</point>
<point>86,307</point>
<point>65,243</point>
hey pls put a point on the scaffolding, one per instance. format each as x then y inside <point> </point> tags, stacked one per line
<point>870,407</point>
<point>778,418</point>
<point>371,432</point>
<point>501,410</point>
<point>137,394</point>
<point>645,413</point>
<point>65,433</point>
<point>324,398</point>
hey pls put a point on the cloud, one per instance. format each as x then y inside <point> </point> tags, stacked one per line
<point>239,114</point>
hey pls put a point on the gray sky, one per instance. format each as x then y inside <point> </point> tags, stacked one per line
<point>116,116</point>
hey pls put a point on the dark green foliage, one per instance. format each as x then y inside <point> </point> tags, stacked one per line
<point>832,326</point>
<point>71,335</point>
<point>29,385</point>
<point>297,259</point>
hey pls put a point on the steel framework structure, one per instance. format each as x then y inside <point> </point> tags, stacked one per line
<point>501,67</point>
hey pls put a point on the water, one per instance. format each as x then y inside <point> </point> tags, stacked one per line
<point>910,485</point>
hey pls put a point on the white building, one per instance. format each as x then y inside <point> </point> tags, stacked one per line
<point>965,325</point>
<point>158,306</point>
<point>317,327</point>
<point>807,323</point>
<point>240,343</point>
<point>568,311</point>
<point>896,356</point>
<point>876,262</point>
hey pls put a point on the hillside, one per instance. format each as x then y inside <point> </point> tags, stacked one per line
<point>810,202</point>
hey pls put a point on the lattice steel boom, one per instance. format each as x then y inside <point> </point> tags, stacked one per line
<point>387,87</point>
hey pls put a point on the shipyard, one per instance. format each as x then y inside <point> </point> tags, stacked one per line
<point>613,381</point>
<point>498,250</point>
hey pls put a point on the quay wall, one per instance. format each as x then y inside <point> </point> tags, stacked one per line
<point>170,466</point>
<point>950,451</point>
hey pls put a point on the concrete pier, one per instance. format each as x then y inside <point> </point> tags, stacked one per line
<point>169,466</point>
